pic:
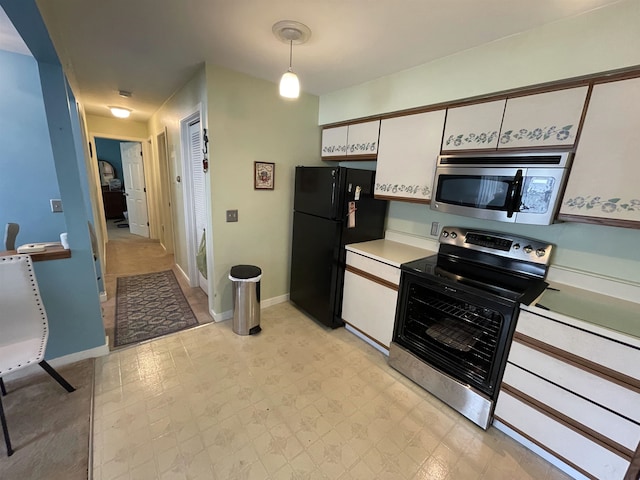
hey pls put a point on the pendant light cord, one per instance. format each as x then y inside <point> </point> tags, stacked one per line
<point>290,53</point>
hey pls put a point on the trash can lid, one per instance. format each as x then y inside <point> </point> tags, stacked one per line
<point>244,272</point>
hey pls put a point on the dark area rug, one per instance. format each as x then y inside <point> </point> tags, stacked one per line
<point>149,306</point>
<point>49,428</point>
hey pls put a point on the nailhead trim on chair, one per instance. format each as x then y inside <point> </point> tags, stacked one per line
<point>34,287</point>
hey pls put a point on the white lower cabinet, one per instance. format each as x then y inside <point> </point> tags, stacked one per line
<point>370,307</point>
<point>574,393</point>
<point>370,296</point>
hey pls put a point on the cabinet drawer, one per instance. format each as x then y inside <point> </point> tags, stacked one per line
<point>565,443</point>
<point>608,353</point>
<point>602,391</point>
<point>373,267</point>
<point>582,411</point>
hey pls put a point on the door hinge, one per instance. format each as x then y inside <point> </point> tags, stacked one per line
<point>145,189</point>
<point>147,224</point>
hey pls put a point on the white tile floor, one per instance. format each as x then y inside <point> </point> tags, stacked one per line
<point>296,401</point>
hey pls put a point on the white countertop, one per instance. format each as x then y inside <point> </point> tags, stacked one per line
<point>388,251</point>
<point>601,310</point>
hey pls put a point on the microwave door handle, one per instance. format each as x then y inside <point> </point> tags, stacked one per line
<point>514,194</point>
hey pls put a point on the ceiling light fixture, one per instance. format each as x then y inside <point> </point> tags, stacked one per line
<point>290,31</point>
<point>120,112</point>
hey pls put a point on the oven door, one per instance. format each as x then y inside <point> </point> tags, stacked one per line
<point>506,194</point>
<point>462,333</point>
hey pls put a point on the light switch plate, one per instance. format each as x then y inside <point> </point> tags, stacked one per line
<point>56,205</point>
<point>434,228</point>
<point>232,215</point>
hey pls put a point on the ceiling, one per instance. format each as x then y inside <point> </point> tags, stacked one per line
<point>153,47</point>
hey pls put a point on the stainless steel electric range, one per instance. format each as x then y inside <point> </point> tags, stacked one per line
<point>457,312</point>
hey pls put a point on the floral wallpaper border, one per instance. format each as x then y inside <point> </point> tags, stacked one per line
<point>423,191</point>
<point>367,147</point>
<point>483,138</point>
<point>331,149</point>
<point>611,205</point>
<point>541,134</point>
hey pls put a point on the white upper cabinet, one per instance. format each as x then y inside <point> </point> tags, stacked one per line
<point>473,127</point>
<point>334,141</point>
<point>362,138</point>
<point>357,140</point>
<point>603,182</point>
<point>544,119</point>
<point>409,148</point>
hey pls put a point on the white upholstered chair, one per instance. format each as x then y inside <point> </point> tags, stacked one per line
<point>23,325</point>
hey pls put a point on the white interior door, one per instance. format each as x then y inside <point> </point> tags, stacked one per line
<point>134,186</point>
<point>199,205</point>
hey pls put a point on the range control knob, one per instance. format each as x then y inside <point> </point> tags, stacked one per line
<point>445,234</point>
<point>528,249</point>
<point>541,252</point>
<point>454,235</point>
<point>516,246</point>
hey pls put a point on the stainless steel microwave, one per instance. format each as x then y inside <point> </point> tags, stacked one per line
<point>507,187</point>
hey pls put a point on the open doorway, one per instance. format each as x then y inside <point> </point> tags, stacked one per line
<point>123,186</point>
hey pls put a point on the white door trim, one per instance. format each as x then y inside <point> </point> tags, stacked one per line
<point>189,213</point>
<point>146,158</point>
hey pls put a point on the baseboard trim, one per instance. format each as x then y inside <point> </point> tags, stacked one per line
<point>362,336</point>
<point>184,275</point>
<point>268,302</point>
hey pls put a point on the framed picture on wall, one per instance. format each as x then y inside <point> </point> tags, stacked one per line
<point>263,175</point>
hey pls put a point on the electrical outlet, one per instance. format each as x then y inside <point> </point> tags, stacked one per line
<point>232,215</point>
<point>56,205</point>
<point>434,228</point>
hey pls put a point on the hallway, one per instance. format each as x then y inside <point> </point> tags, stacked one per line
<point>129,254</point>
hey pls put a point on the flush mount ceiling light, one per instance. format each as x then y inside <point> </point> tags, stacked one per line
<point>120,112</point>
<point>290,31</point>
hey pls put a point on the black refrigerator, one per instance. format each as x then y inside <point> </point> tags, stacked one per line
<point>333,207</point>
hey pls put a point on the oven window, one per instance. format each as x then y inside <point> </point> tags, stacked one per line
<point>480,191</point>
<point>459,338</point>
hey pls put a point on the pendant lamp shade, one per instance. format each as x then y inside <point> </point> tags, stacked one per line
<point>289,85</point>
<point>291,32</point>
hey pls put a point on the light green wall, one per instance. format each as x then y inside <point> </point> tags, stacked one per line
<point>248,122</point>
<point>601,40</point>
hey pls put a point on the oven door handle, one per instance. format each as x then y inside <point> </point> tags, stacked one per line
<point>515,190</point>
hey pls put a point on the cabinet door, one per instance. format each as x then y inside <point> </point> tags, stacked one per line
<point>362,139</point>
<point>334,142</point>
<point>603,183</point>
<point>409,148</point>
<point>544,119</point>
<point>370,307</point>
<point>473,127</point>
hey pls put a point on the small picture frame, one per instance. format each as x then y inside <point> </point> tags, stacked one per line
<point>263,175</point>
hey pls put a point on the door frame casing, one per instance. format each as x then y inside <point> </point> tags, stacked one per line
<point>146,156</point>
<point>189,213</point>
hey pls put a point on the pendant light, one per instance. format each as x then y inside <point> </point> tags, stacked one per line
<point>290,32</point>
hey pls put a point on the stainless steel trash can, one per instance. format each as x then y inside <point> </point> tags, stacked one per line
<point>246,298</point>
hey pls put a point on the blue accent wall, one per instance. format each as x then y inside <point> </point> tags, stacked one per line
<point>109,150</point>
<point>28,179</point>
<point>69,287</point>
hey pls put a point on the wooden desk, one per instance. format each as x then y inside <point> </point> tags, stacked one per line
<point>53,252</point>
